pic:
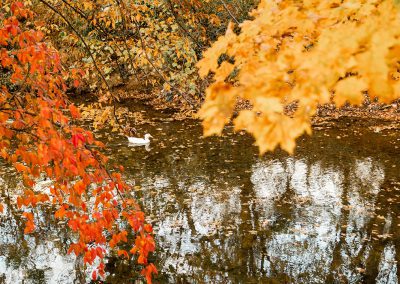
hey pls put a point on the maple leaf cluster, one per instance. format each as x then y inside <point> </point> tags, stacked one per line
<point>39,137</point>
<point>302,53</point>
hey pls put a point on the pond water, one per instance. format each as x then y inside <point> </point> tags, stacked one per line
<point>222,214</point>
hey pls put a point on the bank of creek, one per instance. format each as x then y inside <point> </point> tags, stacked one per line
<point>222,214</point>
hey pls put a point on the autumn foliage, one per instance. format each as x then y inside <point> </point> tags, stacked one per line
<point>39,137</point>
<point>286,58</point>
<point>149,46</point>
<point>301,54</point>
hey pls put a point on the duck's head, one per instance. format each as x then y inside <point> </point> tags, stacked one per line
<point>147,136</point>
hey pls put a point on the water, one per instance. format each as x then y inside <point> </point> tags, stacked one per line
<point>222,214</point>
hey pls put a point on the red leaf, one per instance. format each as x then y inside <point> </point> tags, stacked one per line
<point>148,228</point>
<point>76,138</point>
<point>15,6</point>
<point>74,111</point>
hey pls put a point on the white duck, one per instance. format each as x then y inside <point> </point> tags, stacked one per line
<point>140,141</point>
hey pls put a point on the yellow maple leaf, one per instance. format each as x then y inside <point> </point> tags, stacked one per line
<point>350,89</point>
<point>245,120</point>
<point>267,104</point>
<point>218,107</point>
<point>297,52</point>
<point>223,71</point>
<point>210,58</point>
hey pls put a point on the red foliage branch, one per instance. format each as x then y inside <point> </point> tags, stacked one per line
<point>38,136</point>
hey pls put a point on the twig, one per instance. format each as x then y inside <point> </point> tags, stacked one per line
<point>229,12</point>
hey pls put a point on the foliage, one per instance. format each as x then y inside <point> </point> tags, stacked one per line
<point>38,137</point>
<point>302,54</point>
<point>151,43</point>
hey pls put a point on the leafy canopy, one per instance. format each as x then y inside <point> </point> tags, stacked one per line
<point>302,53</point>
<point>147,45</point>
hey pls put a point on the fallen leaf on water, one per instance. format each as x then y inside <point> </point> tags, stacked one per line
<point>360,270</point>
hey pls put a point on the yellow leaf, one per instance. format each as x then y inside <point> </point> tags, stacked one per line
<point>268,104</point>
<point>296,53</point>
<point>350,89</point>
<point>218,108</point>
<point>245,120</point>
<point>223,71</point>
<point>210,57</point>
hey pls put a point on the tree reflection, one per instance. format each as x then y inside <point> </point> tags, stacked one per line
<point>224,215</point>
<point>36,258</point>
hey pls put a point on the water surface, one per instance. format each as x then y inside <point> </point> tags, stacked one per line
<point>222,214</point>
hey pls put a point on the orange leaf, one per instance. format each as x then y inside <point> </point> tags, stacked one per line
<point>20,167</point>
<point>148,271</point>
<point>74,111</point>
<point>29,226</point>
<point>123,252</point>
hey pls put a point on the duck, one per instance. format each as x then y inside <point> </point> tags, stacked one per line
<point>140,141</point>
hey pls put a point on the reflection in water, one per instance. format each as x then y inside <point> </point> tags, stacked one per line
<point>45,263</point>
<point>37,258</point>
<point>145,146</point>
<point>301,219</point>
<point>224,215</point>
<point>387,266</point>
<point>304,247</point>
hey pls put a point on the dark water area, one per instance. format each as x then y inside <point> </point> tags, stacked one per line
<point>222,214</point>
